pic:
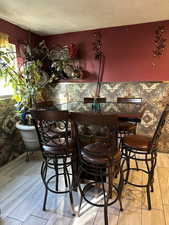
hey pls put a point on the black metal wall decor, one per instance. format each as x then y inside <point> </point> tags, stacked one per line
<point>159,41</point>
<point>99,56</point>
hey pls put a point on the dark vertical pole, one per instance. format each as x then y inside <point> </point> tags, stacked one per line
<point>98,78</point>
<point>100,74</point>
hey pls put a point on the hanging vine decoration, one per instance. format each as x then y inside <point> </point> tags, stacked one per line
<point>99,56</point>
<point>97,45</point>
<point>159,41</point>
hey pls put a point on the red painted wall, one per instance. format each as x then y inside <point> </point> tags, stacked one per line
<point>16,34</point>
<point>128,52</point>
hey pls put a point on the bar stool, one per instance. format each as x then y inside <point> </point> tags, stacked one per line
<point>58,152</point>
<point>142,148</point>
<point>99,160</point>
<point>126,128</point>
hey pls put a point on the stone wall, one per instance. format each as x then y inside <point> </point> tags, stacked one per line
<point>11,144</point>
<point>154,94</point>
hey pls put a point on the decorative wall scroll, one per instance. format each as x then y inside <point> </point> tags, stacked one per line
<point>159,41</point>
<point>97,45</point>
<point>98,54</point>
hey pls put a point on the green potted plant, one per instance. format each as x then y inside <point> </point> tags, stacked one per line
<point>27,81</point>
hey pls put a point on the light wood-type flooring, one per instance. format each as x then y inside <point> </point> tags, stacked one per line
<point>22,193</point>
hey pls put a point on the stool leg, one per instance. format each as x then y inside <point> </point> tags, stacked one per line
<point>45,199</point>
<point>64,169</point>
<point>153,165</point>
<point>81,191</point>
<point>70,190</point>
<point>43,175</point>
<point>74,175</point>
<point>71,202</point>
<point>110,179</point>
<point>136,163</point>
<point>128,169</point>
<point>150,169</point>
<point>152,181</point>
<point>81,199</point>
<point>105,201</point>
<point>27,156</point>
<point>126,158</point>
<point>152,188</point>
<point>55,162</point>
<point>120,188</point>
<point>148,197</point>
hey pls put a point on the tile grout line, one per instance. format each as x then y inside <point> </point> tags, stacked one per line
<point>95,217</point>
<point>18,189</point>
<point>38,217</point>
<point>142,195</point>
<point>161,195</point>
<point>119,217</point>
<point>11,164</point>
<point>14,219</point>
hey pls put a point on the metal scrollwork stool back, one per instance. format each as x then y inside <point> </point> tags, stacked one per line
<point>58,152</point>
<point>99,159</point>
<point>144,149</point>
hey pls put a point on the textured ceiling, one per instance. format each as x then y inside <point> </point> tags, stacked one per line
<point>47,17</point>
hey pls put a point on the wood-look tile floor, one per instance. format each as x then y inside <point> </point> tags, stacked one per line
<point>22,192</point>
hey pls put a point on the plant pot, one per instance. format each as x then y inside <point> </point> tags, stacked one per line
<point>29,136</point>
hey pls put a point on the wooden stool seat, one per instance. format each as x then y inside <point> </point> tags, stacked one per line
<point>58,150</point>
<point>140,142</point>
<point>100,148</point>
